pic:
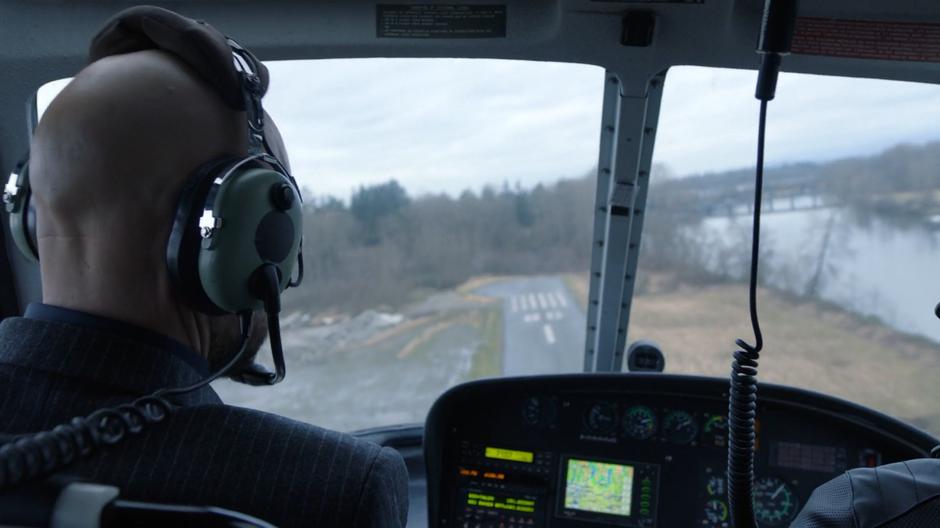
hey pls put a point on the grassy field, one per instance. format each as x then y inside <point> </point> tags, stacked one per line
<point>807,344</point>
<point>487,326</point>
<point>488,357</point>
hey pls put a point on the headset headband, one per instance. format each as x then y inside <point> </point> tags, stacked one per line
<point>235,73</point>
<point>196,43</point>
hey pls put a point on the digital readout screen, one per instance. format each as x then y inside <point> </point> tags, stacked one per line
<point>501,502</point>
<point>599,487</point>
<point>509,454</point>
<point>826,459</point>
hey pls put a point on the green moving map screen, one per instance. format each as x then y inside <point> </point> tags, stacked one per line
<point>599,487</point>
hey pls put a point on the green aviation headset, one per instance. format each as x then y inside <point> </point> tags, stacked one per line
<point>235,240</point>
<point>22,217</point>
<point>237,230</point>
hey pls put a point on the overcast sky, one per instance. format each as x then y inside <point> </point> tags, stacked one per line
<point>444,125</point>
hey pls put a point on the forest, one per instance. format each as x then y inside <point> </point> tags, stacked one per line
<point>383,247</point>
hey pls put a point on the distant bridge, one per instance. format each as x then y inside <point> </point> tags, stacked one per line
<point>789,191</point>
<point>732,195</point>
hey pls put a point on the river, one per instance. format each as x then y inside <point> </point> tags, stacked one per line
<point>873,268</point>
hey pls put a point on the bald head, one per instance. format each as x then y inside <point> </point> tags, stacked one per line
<point>114,148</point>
<point>107,164</point>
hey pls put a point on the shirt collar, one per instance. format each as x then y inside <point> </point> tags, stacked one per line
<point>57,314</point>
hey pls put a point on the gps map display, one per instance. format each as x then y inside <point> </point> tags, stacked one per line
<point>599,487</point>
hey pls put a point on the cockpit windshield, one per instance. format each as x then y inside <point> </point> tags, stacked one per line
<point>448,232</point>
<point>851,235</point>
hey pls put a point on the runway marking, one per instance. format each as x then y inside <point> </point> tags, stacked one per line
<point>525,305</point>
<point>532,317</point>
<point>543,303</point>
<point>549,334</point>
<point>514,303</point>
<point>552,303</point>
<point>554,316</point>
<point>561,299</point>
<point>534,303</point>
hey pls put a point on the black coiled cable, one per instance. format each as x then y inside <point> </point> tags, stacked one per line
<point>742,401</point>
<point>39,455</point>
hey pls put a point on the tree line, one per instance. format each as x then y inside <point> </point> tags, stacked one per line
<point>385,248</point>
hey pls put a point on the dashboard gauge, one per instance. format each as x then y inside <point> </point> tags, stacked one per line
<point>716,513</point>
<point>775,503</point>
<point>679,427</point>
<point>532,411</point>
<point>715,486</point>
<point>639,422</point>
<point>715,431</point>
<point>539,411</point>
<point>601,418</point>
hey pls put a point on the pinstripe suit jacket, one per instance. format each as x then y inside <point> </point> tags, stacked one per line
<point>207,453</point>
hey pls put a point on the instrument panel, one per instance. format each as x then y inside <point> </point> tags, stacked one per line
<point>637,451</point>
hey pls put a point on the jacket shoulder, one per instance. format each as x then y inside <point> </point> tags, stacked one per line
<point>287,472</point>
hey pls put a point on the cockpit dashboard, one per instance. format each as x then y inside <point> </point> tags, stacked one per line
<point>637,451</point>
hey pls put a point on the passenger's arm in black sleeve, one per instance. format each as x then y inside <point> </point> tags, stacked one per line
<point>384,500</point>
<point>899,495</point>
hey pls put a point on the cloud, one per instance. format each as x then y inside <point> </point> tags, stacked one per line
<point>435,125</point>
<point>445,125</point>
<point>708,120</point>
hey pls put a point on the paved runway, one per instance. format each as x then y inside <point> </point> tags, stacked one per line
<point>543,329</point>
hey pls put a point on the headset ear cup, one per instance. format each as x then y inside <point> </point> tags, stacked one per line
<point>22,213</point>
<point>257,228</point>
<point>23,229</point>
<point>184,243</point>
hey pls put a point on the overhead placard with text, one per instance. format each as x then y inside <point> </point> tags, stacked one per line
<point>650,1</point>
<point>867,39</point>
<point>440,21</point>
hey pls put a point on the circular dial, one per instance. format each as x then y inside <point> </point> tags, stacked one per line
<point>715,486</point>
<point>715,431</point>
<point>679,427</point>
<point>716,513</point>
<point>532,411</point>
<point>538,411</point>
<point>601,418</point>
<point>639,422</point>
<point>774,502</point>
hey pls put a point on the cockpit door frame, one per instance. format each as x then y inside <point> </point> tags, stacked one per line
<point>628,133</point>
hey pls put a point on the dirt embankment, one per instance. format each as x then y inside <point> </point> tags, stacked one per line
<point>806,344</point>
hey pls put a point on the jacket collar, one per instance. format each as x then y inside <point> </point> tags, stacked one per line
<point>98,356</point>
<point>48,312</point>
